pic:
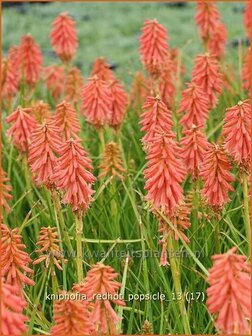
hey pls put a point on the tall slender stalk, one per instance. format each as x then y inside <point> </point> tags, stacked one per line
<point>246,207</point>
<point>79,231</point>
<point>177,285</point>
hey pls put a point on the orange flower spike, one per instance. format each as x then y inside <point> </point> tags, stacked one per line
<point>112,163</point>
<point>71,317</point>
<point>12,317</point>
<point>206,73</point>
<point>23,125</point>
<point>229,294</point>
<point>218,41</point>
<point>207,18</point>
<point>237,132</point>
<point>45,144</point>
<point>67,121</point>
<point>248,17</point>
<point>54,76</point>
<point>6,188</point>
<point>100,280</point>
<point>97,102</point>
<point>195,105</point>
<point>167,87</point>
<point>194,145</point>
<point>102,70</point>
<point>64,37</point>
<point>74,83</point>
<point>215,173</point>
<point>164,173</point>
<point>73,176</point>
<point>14,260</point>
<point>41,111</point>
<point>155,116</point>
<point>30,59</point>
<point>50,251</point>
<point>153,46</point>
<point>119,104</point>
<point>140,88</point>
<point>246,70</point>
<point>10,80</point>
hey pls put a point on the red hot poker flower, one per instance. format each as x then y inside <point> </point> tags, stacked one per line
<point>229,294</point>
<point>30,60</point>
<point>248,17</point>
<point>97,102</point>
<point>237,131</point>
<point>218,41</point>
<point>71,317</point>
<point>246,70</point>
<point>14,260</point>
<point>102,70</point>
<point>64,37</point>
<point>195,103</point>
<point>66,120</point>
<point>167,86</point>
<point>207,19</point>
<point>45,144</point>
<point>215,173</point>
<point>164,173</point>
<point>194,145</point>
<point>73,176</point>
<point>206,73</point>
<point>74,83</point>
<point>153,46</point>
<point>10,80</point>
<point>23,125</point>
<point>41,111</point>
<point>119,103</point>
<point>6,188</point>
<point>140,88</point>
<point>12,317</point>
<point>155,116</point>
<point>54,76</point>
<point>100,280</point>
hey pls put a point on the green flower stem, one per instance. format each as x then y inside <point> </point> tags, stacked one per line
<point>177,285</point>
<point>79,231</point>
<point>246,208</point>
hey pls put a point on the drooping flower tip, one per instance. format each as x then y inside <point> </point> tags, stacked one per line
<point>64,37</point>
<point>229,294</point>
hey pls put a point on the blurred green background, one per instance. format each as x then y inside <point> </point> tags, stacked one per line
<point>112,30</point>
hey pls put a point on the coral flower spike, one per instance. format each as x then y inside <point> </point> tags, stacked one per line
<point>164,173</point>
<point>153,46</point>
<point>194,104</point>
<point>12,317</point>
<point>155,116</point>
<point>216,175</point>
<point>100,280</point>
<point>237,132</point>
<point>14,260</point>
<point>206,73</point>
<point>64,37</point>
<point>30,59</point>
<point>194,145</point>
<point>119,104</point>
<point>10,80</point>
<point>71,317</point>
<point>246,70</point>
<point>23,125</point>
<point>102,70</point>
<point>74,83</point>
<point>5,192</point>
<point>54,76</point>
<point>73,176</point>
<point>218,41</point>
<point>207,19</point>
<point>112,163</point>
<point>45,144</point>
<point>229,294</point>
<point>97,102</point>
<point>66,120</point>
